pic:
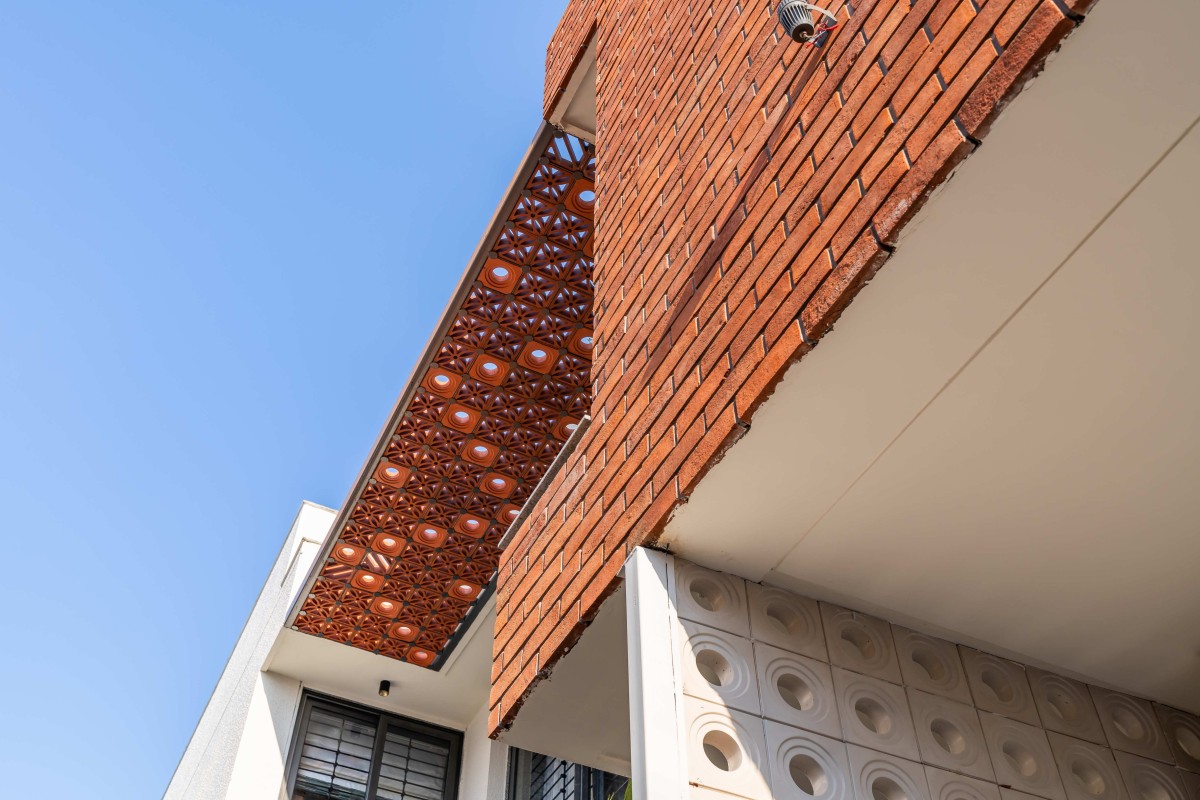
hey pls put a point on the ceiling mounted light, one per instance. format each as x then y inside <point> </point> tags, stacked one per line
<point>385,687</point>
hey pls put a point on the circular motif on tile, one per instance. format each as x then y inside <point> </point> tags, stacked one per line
<point>722,750</point>
<point>718,664</point>
<point>708,594</point>
<point>882,780</point>
<point>863,646</point>
<point>948,737</point>
<point>1151,781</point>
<point>1065,700</point>
<point>1188,739</point>
<point>1130,719</point>
<point>955,789</point>
<point>812,769</point>
<point>789,618</point>
<point>874,713</point>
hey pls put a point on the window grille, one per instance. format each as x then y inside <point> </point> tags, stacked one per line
<point>538,777</point>
<point>343,752</point>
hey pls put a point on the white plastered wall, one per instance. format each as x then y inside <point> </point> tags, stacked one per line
<point>740,690</point>
<point>240,745</point>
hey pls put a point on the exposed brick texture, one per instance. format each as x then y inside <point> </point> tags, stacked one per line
<point>747,189</point>
<point>566,48</point>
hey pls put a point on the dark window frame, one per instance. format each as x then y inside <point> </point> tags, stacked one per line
<point>383,720</point>
<point>587,783</point>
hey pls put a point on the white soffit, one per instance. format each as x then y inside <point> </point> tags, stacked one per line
<point>452,696</point>
<point>581,713</point>
<point>999,440</point>
<point>575,111</point>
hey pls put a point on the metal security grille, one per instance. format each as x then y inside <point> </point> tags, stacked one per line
<point>539,777</point>
<point>343,752</point>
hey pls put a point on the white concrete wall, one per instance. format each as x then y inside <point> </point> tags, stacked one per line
<point>239,747</point>
<point>749,691</point>
<point>484,763</point>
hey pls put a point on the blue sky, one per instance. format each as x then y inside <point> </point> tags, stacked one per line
<point>226,231</point>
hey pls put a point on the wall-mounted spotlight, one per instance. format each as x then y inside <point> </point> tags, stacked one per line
<point>385,687</point>
<point>800,23</point>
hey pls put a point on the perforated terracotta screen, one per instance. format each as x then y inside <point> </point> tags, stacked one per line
<point>493,405</point>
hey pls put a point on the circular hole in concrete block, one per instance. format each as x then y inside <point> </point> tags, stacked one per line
<point>713,667</point>
<point>1188,741</point>
<point>1020,758</point>
<point>930,663</point>
<point>808,775</point>
<point>708,595</point>
<point>887,789</point>
<point>1149,787</point>
<point>1088,777</point>
<point>948,736</point>
<point>722,751</point>
<point>795,692</point>
<point>785,619</point>
<point>873,716</point>
<point>1128,724</point>
<point>998,684</point>
<point>1063,705</point>
<point>861,640</point>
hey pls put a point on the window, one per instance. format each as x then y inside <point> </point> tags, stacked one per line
<point>344,752</point>
<point>537,777</point>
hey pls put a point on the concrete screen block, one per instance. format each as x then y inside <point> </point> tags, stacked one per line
<point>807,766</point>
<point>710,598</point>
<point>1088,771</point>
<point>878,776</point>
<point>718,667</point>
<point>797,691</point>
<point>726,750</point>
<point>1146,779</point>
<point>949,735</point>
<point>1021,757</point>
<point>999,686</point>
<point>931,664</point>
<point>1131,725</point>
<point>945,785</point>
<point>1065,706</point>
<point>1183,736</point>
<point>875,714</point>
<point>860,642</point>
<point>1191,784</point>
<point>786,621</point>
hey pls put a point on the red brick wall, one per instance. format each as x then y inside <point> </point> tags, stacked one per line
<point>566,47</point>
<point>747,189</point>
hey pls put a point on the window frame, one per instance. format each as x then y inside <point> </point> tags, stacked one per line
<point>588,781</point>
<point>383,720</point>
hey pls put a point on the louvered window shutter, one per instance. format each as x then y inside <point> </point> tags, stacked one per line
<point>345,753</point>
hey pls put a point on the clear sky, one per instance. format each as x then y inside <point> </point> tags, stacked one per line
<point>226,232</point>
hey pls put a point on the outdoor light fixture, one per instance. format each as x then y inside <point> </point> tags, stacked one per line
<point>798,21</point>
<point>384,688</point>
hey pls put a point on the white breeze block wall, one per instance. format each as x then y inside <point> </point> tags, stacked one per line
<point>767,694</point>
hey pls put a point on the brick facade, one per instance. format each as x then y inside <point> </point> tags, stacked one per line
<point>747,187</point>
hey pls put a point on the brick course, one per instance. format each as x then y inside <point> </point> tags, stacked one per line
<point>747,188</point>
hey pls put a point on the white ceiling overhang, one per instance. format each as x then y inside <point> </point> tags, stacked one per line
<point>1000,440</point>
